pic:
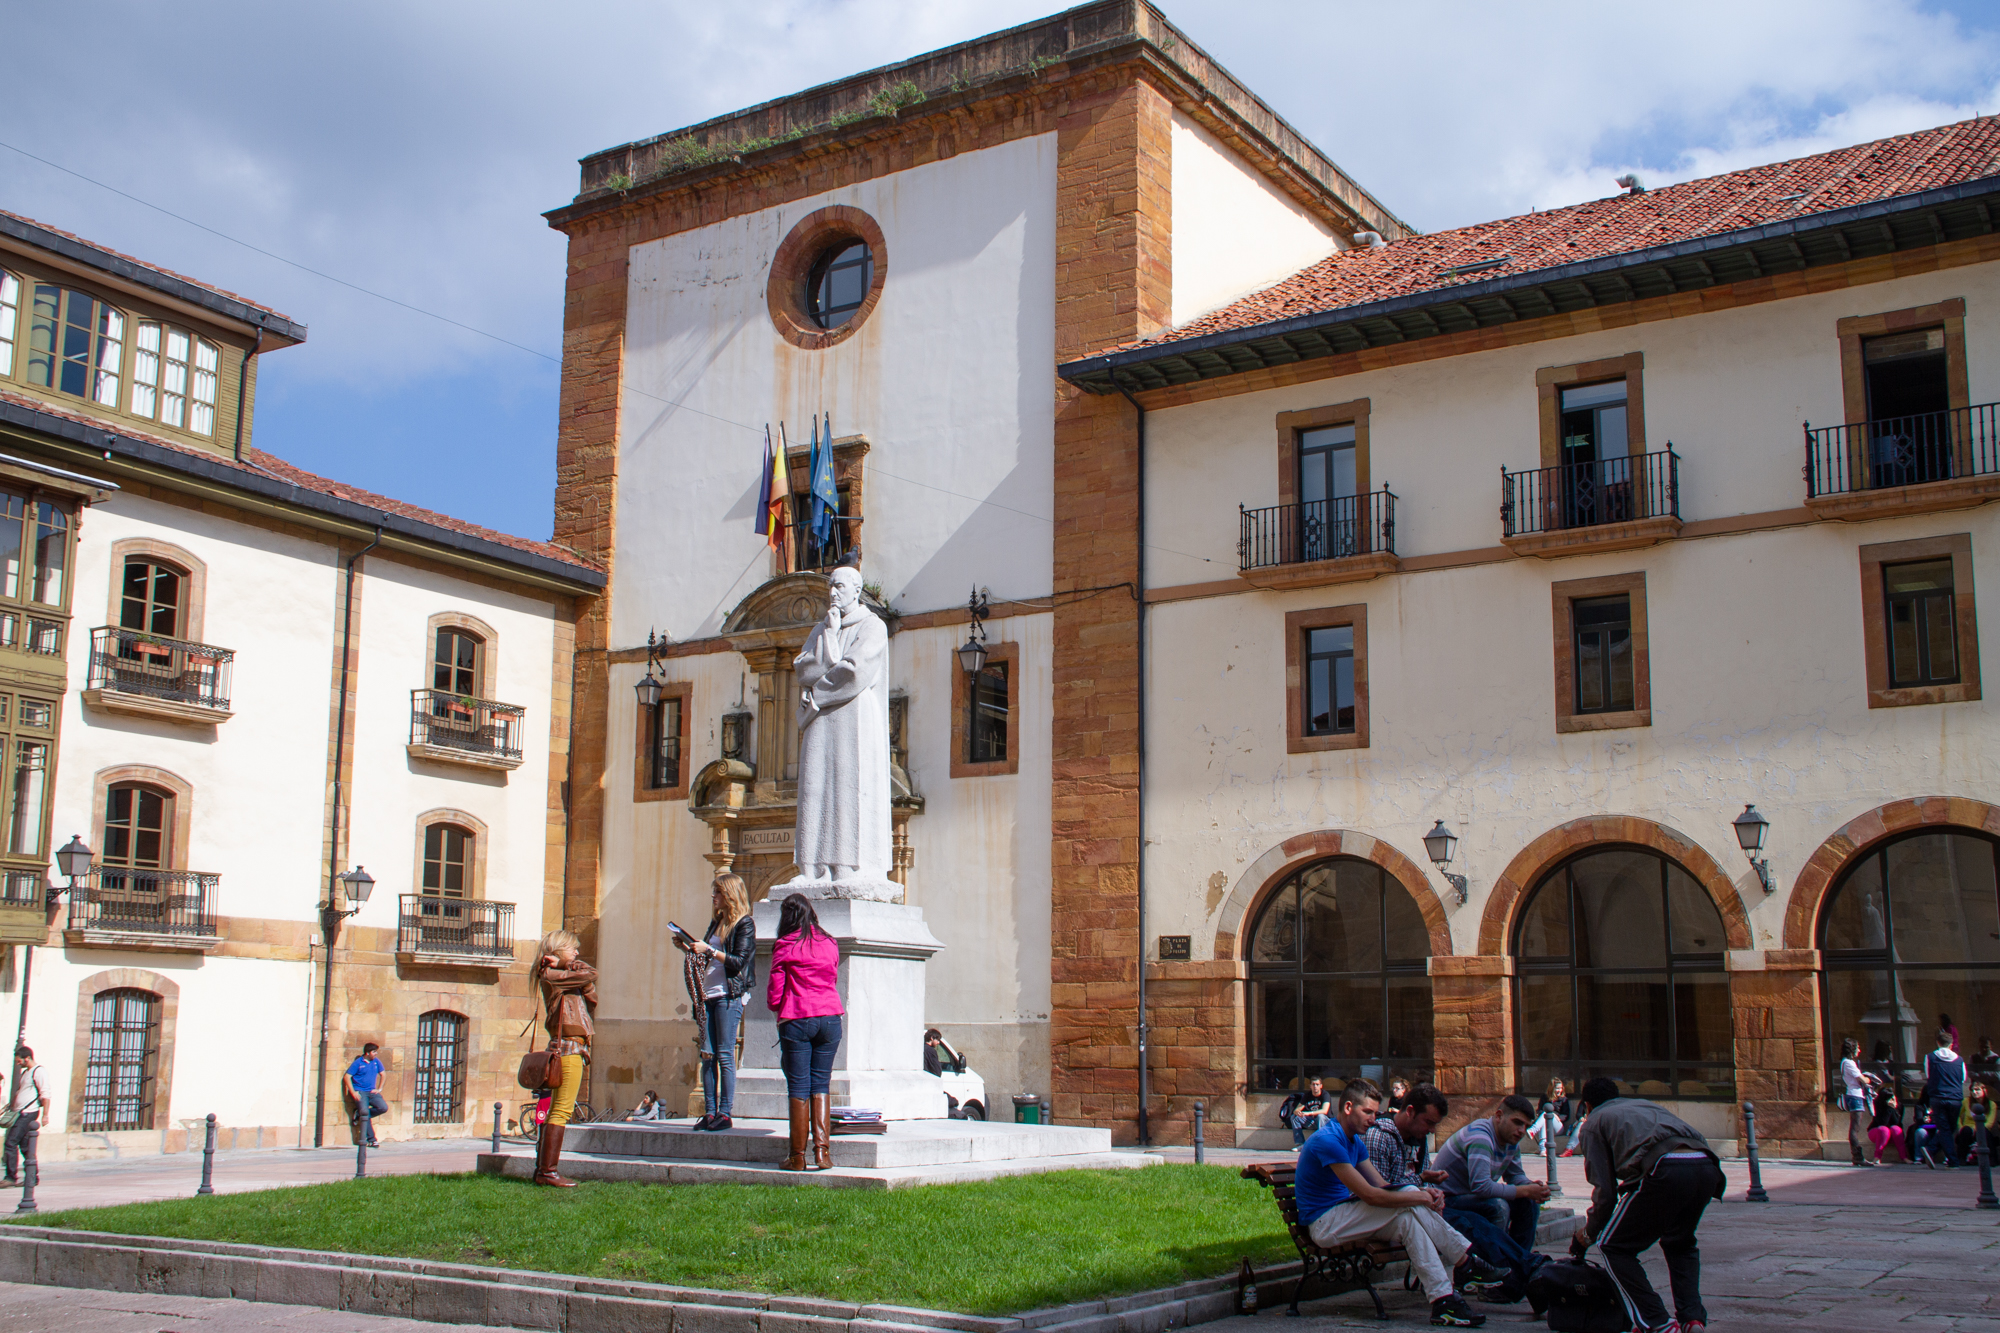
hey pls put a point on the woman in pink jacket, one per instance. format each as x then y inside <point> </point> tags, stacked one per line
<point>804,993</point>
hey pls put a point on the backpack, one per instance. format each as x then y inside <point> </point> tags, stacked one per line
<point>1579,1297</point>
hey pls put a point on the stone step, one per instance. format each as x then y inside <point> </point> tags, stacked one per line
<point>667,1171</point>
<point>906,1143</point>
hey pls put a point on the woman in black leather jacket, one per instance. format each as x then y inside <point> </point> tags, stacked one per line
<point>722,968</point>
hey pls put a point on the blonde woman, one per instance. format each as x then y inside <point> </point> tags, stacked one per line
<point>723,968</point>
<point>569,997</point>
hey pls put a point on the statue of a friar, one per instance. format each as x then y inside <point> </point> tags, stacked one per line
<point>842,842</point>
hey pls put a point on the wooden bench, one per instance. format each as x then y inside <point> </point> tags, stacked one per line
<point>1347,1267</point>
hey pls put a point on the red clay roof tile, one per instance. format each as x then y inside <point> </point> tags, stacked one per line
<point>166,272</point>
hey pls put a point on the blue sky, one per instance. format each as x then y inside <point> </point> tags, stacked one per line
<point>411,148</point>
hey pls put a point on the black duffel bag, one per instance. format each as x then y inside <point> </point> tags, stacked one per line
<point>1578,1297</point>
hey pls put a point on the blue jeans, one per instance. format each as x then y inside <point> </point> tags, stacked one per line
<point>1516,1218</point>
<point>1496,1246</point>
<point>1939,1138</point>
<point>720,1020</point>
<point>1305,1126</point>
<point>368,1106</point>
<point>806,1047</point>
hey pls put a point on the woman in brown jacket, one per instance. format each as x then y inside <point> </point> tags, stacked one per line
<point>569,997</point>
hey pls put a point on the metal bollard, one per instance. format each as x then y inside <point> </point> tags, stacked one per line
<point>208,1158</point>
<point>1985,1151</point>
<point>1549,1125</point>
<point>496,1129</point>
<point>1200,1153</point>
<point>1756,1194</point>
<point>30,1172</point>
<point>361,1160</point>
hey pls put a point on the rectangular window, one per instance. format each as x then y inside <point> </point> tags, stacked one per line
<point>662,765</point>
<point>138,825</point>
<point>119,1070</point>
<point>455,668</point>
<point>986,714</point>
<point>145,369</point>
<point>10,319</point>
<point>28,799</point>
<point>1603,654</point>
<point>51,552</point>
<point>666,747</point>
<point>1330,681</point>
<point>1922,633</point>
<point>439,1085</point>
<point>1326,679</point>
<point>174,386</point>
<point>986,727</point>
<point>201,420</point>
<point>151,598</point>
<point>447,854</point>
<point>1603,675</point>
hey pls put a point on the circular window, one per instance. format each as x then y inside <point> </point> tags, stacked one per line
<point>826,277</point>
<point>838,283</point>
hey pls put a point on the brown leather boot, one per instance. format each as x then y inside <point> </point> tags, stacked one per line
<point>800,1122</point>
<point>547,1154</point>
<point>822,1134</point>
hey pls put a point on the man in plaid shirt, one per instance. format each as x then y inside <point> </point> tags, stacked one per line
<point>1398,1134</point>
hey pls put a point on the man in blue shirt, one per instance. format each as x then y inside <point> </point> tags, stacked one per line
<point>362,1082</point>
<point>1341,1198</point>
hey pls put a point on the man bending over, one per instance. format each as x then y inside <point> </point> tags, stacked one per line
<point>1342,1198</point>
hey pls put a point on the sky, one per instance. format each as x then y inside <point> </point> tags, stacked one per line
<point>409,149</point>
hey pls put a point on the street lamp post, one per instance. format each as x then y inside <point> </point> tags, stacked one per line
<point>354,886</point>
<point>73,858</point>
<point>1440,844</point>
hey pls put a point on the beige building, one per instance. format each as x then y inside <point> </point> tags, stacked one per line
<point>229,681</point>
<point>1303,536</point>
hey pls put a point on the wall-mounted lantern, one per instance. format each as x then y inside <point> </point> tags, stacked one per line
<point>972,656</point>
<point>1441,844</point>
<point>1750,830</point>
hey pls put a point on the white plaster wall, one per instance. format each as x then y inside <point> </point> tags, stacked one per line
<point>1729,390</point>
<point>1234,232</point>
<point>948,378</point>
<point>1757,655</point>
<point>245,1039</point>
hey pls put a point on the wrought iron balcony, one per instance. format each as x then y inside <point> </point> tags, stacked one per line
<point>1960,445</point>
<point>457,728</point>
<point>1275,542</point>
<point>431,927</point>
<point>1604,504</point>
<point>135,672</point>
<point>131,907</point>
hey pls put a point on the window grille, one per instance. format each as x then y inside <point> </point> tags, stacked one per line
<point>119,1072</point>
<point>440,1083</point>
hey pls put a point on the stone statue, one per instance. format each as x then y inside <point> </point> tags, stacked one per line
<point>842,843</point>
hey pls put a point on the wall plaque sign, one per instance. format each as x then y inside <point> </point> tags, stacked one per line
<point>1176,948</point>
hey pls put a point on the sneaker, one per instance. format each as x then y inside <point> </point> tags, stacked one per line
<point>1477,1270</point>
<point>1451,1312</point>
<point>1493,1293</point>
<point>702,1123</point>
<point>719,1122</point>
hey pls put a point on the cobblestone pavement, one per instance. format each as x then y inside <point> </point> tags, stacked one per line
<point>61,1310</point>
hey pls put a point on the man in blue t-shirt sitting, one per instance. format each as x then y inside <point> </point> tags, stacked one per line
<point>362,1082</point>
<point>1341,1198</point>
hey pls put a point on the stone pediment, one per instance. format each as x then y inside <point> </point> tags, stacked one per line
<point>784,609</point>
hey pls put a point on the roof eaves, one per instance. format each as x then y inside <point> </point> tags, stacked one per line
<point>267,487</point>
<point>144,275</point>
<point>1107,364</point>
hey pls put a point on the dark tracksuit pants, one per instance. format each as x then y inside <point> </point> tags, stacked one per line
<point>1665,1209</point>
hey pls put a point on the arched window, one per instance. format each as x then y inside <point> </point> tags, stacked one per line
<point>121,1067</point>
<point>1338,986</point>
<point>138,826</point>
<point>455,666</point>
<point>439,1095</point>
<point>1911,931</point>
<point>76,344</point>
<point>1618,972</point>
<point>153,598</point>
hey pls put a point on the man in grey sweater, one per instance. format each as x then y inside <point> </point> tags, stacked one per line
<point>1651,1175</point>
<point>1483,1172</point>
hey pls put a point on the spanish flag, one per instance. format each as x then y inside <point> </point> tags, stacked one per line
<point>774,499</point>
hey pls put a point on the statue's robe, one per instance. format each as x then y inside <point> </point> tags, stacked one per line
<point>844,751</point>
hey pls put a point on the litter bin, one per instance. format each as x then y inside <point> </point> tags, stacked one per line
<point>1027,1109</point>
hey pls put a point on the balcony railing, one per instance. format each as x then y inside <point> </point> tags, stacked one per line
<point>145,902</point>
<point>476,727</point>
<point>1588,495</point>
<point>131,661</point>
<point>1348,525</point>
<point>1903,451</point>
<point>455,927</point>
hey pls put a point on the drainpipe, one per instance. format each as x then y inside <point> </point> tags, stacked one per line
<point>1139,871</point>
<point>243,389</point>
<point>329,920</point>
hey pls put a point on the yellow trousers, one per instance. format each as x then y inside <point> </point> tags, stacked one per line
<point>563,1101</point>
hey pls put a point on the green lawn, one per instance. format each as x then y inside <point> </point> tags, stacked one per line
<point>998,1247</point>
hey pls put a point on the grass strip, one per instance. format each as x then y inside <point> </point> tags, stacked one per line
<point>995,1247</point>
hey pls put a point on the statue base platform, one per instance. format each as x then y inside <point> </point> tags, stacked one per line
<point>859,890</point>
<point>909,1152</point>
<point>883,948</point>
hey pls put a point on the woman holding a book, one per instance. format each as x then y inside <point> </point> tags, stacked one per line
<point>804,994</point>
<point>722,967</point>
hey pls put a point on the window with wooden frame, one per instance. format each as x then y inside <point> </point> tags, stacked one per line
<point>28,761</point>
<point>1323,470</point>
<point>1326,679</point>
<point>456,661</point>
<point>121,1068</point>
<point>986,714</point>
<point>10,319</point>
<point>138,827</point>
<point>1593,411</point>
<point>437,1096</point>
<point>448,860</point>
<point>1919,623</point>
<point>661,759</point>
<point>1602,668</point>
<point>174,377</point>
<point>76,344</point>
<point>153,597</point>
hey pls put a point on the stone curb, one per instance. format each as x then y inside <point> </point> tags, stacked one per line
<point>513,1298</point>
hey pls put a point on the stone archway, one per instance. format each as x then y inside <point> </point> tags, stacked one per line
<point>1565,840</point>
<point>1271,869</point>
<point>1862,833</point>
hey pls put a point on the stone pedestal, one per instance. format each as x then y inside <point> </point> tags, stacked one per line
<point>883,948</point>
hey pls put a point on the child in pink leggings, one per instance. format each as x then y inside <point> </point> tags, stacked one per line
<point>1886,1129</point>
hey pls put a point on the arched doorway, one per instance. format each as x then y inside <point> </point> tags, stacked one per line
<point>1619,972</point>
<point>1338,957</point>
<point>1910,931</point>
